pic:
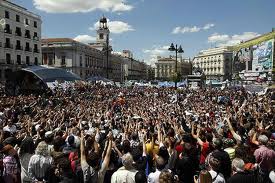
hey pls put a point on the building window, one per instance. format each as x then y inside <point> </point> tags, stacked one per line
<point>35,36</point>
<point>27,60</point>
<point>26,21</point>
<point>8,58</point>
<point>7,14</point>
<point>27,48</point>
<point>27,34</point>
<point>101,36</point>
<point>35,61</point>
<point>35,24</point>
<point>18,31</point>
<point>17,18</point>
<point>18,45</point>
<point>80,61</point>
<point>7,29</point>
<point>18,60</point>
<point>35,48</point>
<point>63,60</point>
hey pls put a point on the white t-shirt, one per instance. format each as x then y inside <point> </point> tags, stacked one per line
<point>11,129</point>
<point>217,178</point>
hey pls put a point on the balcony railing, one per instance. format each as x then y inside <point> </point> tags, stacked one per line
<point>18,47</point>
<point>7,45</point>
<point>8,31</point>
<point>35,38</point>
<point>28,49</point>
<point>36,50</point>
<point>28,36</point>
<point>9,61</point>
<point>18,33</point>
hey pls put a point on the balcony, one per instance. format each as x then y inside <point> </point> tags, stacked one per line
<point>18,47</point>
<point>18,34</point>
<point>28,49</point>
<point>36,50</point>
<point>35,38</point>
<point>28,36</point>
<point>8,61</point>
<point>8,31</point>
<point>8,45</point>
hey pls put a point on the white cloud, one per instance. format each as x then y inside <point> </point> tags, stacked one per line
<point>208,26</point>
<point>183,30</point>
<point>74,6</point>
<point>227,40</point>
<point>218,38</point>
<point>153,53</point>
<point>116,27</point>
<point>85,38</point>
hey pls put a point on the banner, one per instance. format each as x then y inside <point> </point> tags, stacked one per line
<point>262,56</point>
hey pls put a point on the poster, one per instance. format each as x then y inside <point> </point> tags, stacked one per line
<point>262,56</point>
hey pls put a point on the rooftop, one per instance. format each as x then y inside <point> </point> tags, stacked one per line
<point>58,40</point>
<point>18,8</point>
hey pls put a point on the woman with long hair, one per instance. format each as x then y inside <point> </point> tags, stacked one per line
<point>25,153</point>
<point>204,177</point>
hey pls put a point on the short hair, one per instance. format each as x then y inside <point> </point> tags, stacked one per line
<point>140,177</point>
<point>160,163</point>
<point>238,165</point>
<point>166,177</point>
<point>263,139</point>
<point>214,163</point>
<point>217,142</point>
<point>127,160</point>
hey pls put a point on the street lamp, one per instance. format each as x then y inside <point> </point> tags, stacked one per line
<point>177,50</point>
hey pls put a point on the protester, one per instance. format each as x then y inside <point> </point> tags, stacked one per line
<point>93,133</point>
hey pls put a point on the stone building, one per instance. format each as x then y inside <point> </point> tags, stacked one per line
<point>20,38</point>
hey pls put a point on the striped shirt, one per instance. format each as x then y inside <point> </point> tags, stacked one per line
<point>38,166</point>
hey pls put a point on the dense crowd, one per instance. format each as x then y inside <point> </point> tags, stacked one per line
<point>96,134</point>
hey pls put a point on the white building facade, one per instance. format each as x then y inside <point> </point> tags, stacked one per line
<point>20,38</point>
<point>216,63</point>
<point>73,56</point>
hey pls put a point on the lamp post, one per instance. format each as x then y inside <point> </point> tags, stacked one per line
<point>177,50</point>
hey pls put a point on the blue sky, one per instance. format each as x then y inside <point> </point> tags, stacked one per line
<point>147,27</point>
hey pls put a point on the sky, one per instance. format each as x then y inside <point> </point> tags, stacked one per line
<point>148,27</point>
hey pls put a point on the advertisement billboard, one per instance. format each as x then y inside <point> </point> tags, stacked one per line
<point>243,59</point>
<point>263,56</point>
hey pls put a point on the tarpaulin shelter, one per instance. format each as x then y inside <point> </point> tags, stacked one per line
<point>34,79</point>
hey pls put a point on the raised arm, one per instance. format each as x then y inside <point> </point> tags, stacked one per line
<point>106,160</point>
<point>82,149</point>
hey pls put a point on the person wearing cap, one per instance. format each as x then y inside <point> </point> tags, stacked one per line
<point>229,148</point>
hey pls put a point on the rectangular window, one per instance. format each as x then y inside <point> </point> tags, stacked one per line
<point>27,21</point>
<point>18,59</point>
<point>17,18</point>
<point>7,14</point>
<point>35,24</point>
<point>27,60</point>
<point>18,31</point>
<point>63,60</point>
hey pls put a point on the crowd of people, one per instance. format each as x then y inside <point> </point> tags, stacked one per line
<point>105,134</point>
